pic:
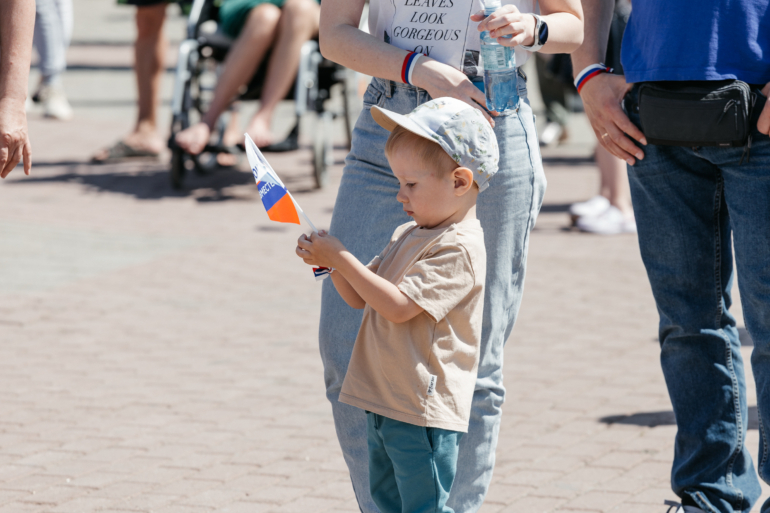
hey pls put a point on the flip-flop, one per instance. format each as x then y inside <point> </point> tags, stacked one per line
<point>122,151</point>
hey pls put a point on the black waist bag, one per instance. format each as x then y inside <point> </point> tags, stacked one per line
<point>696,113</point>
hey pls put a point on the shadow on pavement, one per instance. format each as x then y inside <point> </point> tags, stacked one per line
<point>555,208</point>
<point>145,181</point>
<point>567,161</point>
<point>745,337</point>
<point>663,418</point>
<point>149,180</point>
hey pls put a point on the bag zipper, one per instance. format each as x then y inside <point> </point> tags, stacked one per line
<point>731,103</point>
<point>747,149</point>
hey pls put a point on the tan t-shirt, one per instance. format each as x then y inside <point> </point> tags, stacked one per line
<point>423,371</point>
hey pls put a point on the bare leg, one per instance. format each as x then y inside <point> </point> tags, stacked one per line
<point>248,51</point>
<point>299,22</point>
<point>149,58</point>
<point>614,180</point>
<point>231,137</point>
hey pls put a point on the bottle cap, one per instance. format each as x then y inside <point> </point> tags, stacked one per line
<point>492,5</point>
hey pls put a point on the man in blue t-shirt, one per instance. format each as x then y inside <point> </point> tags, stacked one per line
<point>688,202</point>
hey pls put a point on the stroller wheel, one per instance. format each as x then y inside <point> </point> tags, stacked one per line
<point>322,149</point>
<point>178,169</point>
<point>319,165</point>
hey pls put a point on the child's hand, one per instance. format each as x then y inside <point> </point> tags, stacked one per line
<point>319,249</point>
<point>304,254</point>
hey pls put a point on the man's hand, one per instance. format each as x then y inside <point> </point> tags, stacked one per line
<point>763,123</point>
<point>319,249</point>
<point>508,25</point>
<point>601,97</point>
<point>14,139</point>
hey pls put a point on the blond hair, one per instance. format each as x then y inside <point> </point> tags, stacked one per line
<point>427,151</point>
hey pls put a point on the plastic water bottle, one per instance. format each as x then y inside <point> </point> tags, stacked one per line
<point>499,64</point>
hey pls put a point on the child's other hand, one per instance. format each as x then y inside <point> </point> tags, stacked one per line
<point>319,249</point>
<point>302,243</point>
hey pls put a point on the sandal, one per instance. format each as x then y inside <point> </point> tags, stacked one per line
<point>122,151</point>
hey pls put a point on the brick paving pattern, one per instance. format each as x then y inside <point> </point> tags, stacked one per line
<point>158,348</point>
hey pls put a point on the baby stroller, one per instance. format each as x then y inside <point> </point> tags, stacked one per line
<point>199,57</point>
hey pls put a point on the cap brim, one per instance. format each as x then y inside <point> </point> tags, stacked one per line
<point>389,120</point>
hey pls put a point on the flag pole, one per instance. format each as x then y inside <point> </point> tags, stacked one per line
<point>307,219</point>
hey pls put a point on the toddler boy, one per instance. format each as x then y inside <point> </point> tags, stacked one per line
<point>414,363</point>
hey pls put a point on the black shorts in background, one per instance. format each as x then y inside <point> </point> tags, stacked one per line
<point>142,3</point>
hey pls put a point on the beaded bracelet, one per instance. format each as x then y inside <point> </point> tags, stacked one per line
<point>590,72</point>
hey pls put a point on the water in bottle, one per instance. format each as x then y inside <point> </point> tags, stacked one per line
<point>499,65</point>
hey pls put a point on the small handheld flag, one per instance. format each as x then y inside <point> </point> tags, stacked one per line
<point>279,204</point>
<point>278,201</point>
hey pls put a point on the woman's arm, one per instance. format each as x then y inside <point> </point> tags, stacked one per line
<point>564,19</point>
<point>342,42</point>
<point>17,22</point>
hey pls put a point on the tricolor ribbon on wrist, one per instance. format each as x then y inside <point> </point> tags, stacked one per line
<point>407,68</point>
<point>590,72</point>
<point>322,272</point>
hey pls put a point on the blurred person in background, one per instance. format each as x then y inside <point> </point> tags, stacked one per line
<point>610,212</point>
<point>554,78</point>
<point>280,27</point>
<point>53,31</point>
<point>17,24</point>
<point>144,141</point>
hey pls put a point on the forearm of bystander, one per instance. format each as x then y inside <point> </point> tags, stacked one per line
<point>17,23</point>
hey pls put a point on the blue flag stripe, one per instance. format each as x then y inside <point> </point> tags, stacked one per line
<point>271,193</point>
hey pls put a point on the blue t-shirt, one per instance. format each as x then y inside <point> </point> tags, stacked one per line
<point>698,40</point>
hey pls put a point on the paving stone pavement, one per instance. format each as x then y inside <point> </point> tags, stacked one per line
<point>158,348</point>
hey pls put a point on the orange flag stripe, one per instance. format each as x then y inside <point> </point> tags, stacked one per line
<point>284,211</point>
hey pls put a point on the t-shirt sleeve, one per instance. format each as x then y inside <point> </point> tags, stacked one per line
<point>438,282</point>
<point>374,264</point>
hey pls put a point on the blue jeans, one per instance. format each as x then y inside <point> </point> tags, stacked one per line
<point>365,215</point>
<point>53,28</point>
<point>688,203</point>
<point>411,468</point>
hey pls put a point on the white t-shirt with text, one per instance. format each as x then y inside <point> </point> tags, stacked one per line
<point>440,29</point>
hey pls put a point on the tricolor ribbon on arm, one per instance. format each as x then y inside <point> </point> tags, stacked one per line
<point>277,200</point>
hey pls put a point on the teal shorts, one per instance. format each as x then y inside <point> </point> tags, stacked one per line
<point>233,14</point>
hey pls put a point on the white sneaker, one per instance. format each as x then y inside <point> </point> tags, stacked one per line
<point>678,508</point>
<point>591,208</point>
<point>55,104</point>
<point>551,134</point>
<point>610,222</point>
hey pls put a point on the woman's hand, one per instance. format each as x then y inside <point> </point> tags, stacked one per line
<point>319,249</point>
<point>442,80</point>
<point>508,25</point>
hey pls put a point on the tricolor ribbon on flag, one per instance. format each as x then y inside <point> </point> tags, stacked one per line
<point>278,201</point>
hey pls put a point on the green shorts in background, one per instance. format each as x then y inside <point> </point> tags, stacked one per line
<point>233,14</point>
<point>184,5</point>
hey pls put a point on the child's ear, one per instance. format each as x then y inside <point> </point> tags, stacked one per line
<point>463,178</point>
